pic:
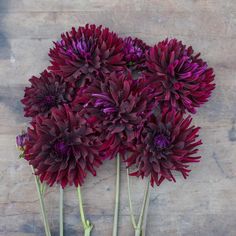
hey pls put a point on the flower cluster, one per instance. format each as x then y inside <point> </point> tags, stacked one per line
<point>88,106</point>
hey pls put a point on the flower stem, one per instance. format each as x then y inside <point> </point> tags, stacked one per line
<point>117,199</point>
<point>143,209</point>
<point>61,211</point>
<point>138,232</point>
<point>41,201</point>
<point>146,212</point>
<point>42,188</point>
<point>140,227</point>
<point>130,201</point>
<point>86,223</point>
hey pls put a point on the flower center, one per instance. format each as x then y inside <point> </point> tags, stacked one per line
<point>61,148</point>
<point>161,141</point>
<point>49,100</point>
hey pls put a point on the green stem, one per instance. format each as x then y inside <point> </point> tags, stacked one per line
<point>41,201</point>
<point>43,188</point>
<point>86,223</point>
<point>130,201</point>
<point>117,198</point>
<point>140,221</point>
<point>138,232</point>
<point>146,213</point>
<point>140,227</point>
<point>61,212</point>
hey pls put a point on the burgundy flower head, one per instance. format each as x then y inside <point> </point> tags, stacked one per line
<point>165,145</point>
<point>47,91</point>
<point>62,148</point>
<point>135,50</point>
<point>87,52</point>
<point>122,104</point>
<point>182,80</point>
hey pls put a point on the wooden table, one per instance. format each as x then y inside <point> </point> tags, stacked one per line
<point>205,204</point>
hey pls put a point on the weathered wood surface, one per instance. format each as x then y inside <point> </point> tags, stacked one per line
<point>205,204</point>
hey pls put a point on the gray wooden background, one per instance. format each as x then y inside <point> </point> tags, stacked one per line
<point>205,204</point>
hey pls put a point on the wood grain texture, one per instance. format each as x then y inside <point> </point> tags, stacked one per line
<point>205,204</point>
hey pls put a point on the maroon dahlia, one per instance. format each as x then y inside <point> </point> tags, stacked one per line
<point>62,148</point>
<point>122,105</point>
<point>47,91</point>
<point>87,52</point>
<point>134,50</point>
<point>165,145</point>
<point>182,79</point>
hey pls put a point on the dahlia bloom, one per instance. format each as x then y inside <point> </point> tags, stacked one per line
<point>181,78</point>
<point>63,147</point>
<point>135,50</point>
<point>47,91</point>
<point>122,104</point>
<point>165,144</point>
<point>85,53</point>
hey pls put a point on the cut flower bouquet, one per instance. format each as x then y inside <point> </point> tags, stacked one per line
<point>105,97</point>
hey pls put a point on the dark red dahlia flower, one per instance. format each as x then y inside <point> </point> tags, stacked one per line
<point>182,79</point>
<point>135,50</point>
<point>63,147</point>
<point>47,91</point>
<point>122,104</point>
<point>165,145</point>
<point>87,52</point>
